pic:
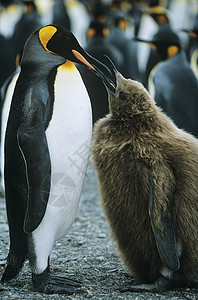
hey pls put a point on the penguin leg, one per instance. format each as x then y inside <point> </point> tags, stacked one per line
<point>43,281</point>
<point>161,284</point>
<point>167,280</point>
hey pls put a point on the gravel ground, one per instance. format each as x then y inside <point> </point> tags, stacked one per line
<point>87,253</point>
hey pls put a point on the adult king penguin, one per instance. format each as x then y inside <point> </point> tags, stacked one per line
<point>147,170</point>
<point>172,82</point>
<point>193,48</point>
<point>47,144</point>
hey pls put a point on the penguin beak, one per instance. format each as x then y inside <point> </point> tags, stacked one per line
<point>191,33</point>
<point>113,71</point>
<point>150,43</point>
<point>101,70</point>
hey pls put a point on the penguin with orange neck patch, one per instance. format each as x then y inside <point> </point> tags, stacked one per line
<point>147,171</point>
<point>172,83</point>
<point>193,47</point>
<point>47,147</point>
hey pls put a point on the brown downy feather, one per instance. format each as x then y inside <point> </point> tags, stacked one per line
<point>134,146</point>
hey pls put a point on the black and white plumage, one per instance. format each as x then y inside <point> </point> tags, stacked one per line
<point>172,83</point>
<point>47,146</point>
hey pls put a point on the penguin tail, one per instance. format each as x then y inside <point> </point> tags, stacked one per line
<point>14,265</point>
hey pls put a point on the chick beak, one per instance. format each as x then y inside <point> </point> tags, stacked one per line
<point>101,70</point>
<point>113,71</point>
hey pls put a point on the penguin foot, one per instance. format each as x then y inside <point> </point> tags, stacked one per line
<point>161,284</point>
<point>50,284</point>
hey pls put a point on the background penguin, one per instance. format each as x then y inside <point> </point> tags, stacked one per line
<point>147,171</point>
<point>161,16</point>
<point>48,128</point>
<point>175,86</point>
<point>79,19</point>
<point>29,22</point>
<point>60,15</point>
<point>99,45</point>
<point>10,14</point>
<point>135,12</point>
<point>118,25</point>
<point>183,12</point>
<point>192,50</point>
<point>6,59</point>
<point>6,93</point>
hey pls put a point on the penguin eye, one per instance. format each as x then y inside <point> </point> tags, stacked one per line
<point>122,95</point>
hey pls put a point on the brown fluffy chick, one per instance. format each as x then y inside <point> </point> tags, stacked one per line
<point>147,172</point>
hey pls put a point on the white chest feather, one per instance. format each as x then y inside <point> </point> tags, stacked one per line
<point>69,139</point>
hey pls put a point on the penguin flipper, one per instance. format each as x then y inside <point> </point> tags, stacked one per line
<point>31,135</point>
<point>163,231</point>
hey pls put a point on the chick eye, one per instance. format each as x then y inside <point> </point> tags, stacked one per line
<point>122,95</point>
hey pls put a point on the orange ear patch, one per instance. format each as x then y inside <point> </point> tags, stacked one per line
<point>123,24</point>
<point>90,33</point>
<point>45,34</point>
<point>105,32</point>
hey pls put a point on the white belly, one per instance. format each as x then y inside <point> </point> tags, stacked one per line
<point>69,139</point>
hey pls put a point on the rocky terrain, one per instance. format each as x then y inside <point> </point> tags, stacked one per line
<point>87,253</point>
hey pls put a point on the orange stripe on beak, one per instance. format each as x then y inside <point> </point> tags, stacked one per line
<point>82,59</point>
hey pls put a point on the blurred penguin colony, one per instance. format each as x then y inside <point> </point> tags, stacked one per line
<point>151,41</point>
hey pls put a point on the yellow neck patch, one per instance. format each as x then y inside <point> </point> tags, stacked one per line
<point>68,66</point>
<point>172,51</point>
<point>17,61</point>
<point>45,34</point>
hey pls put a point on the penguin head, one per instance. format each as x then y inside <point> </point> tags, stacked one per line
<point>29,6</point>
<point>129,99</point>
<point>55,45</point>
<point>118,20</point>
<point>97,29</point>
<point>166,43</point>
<point>159,14</point>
